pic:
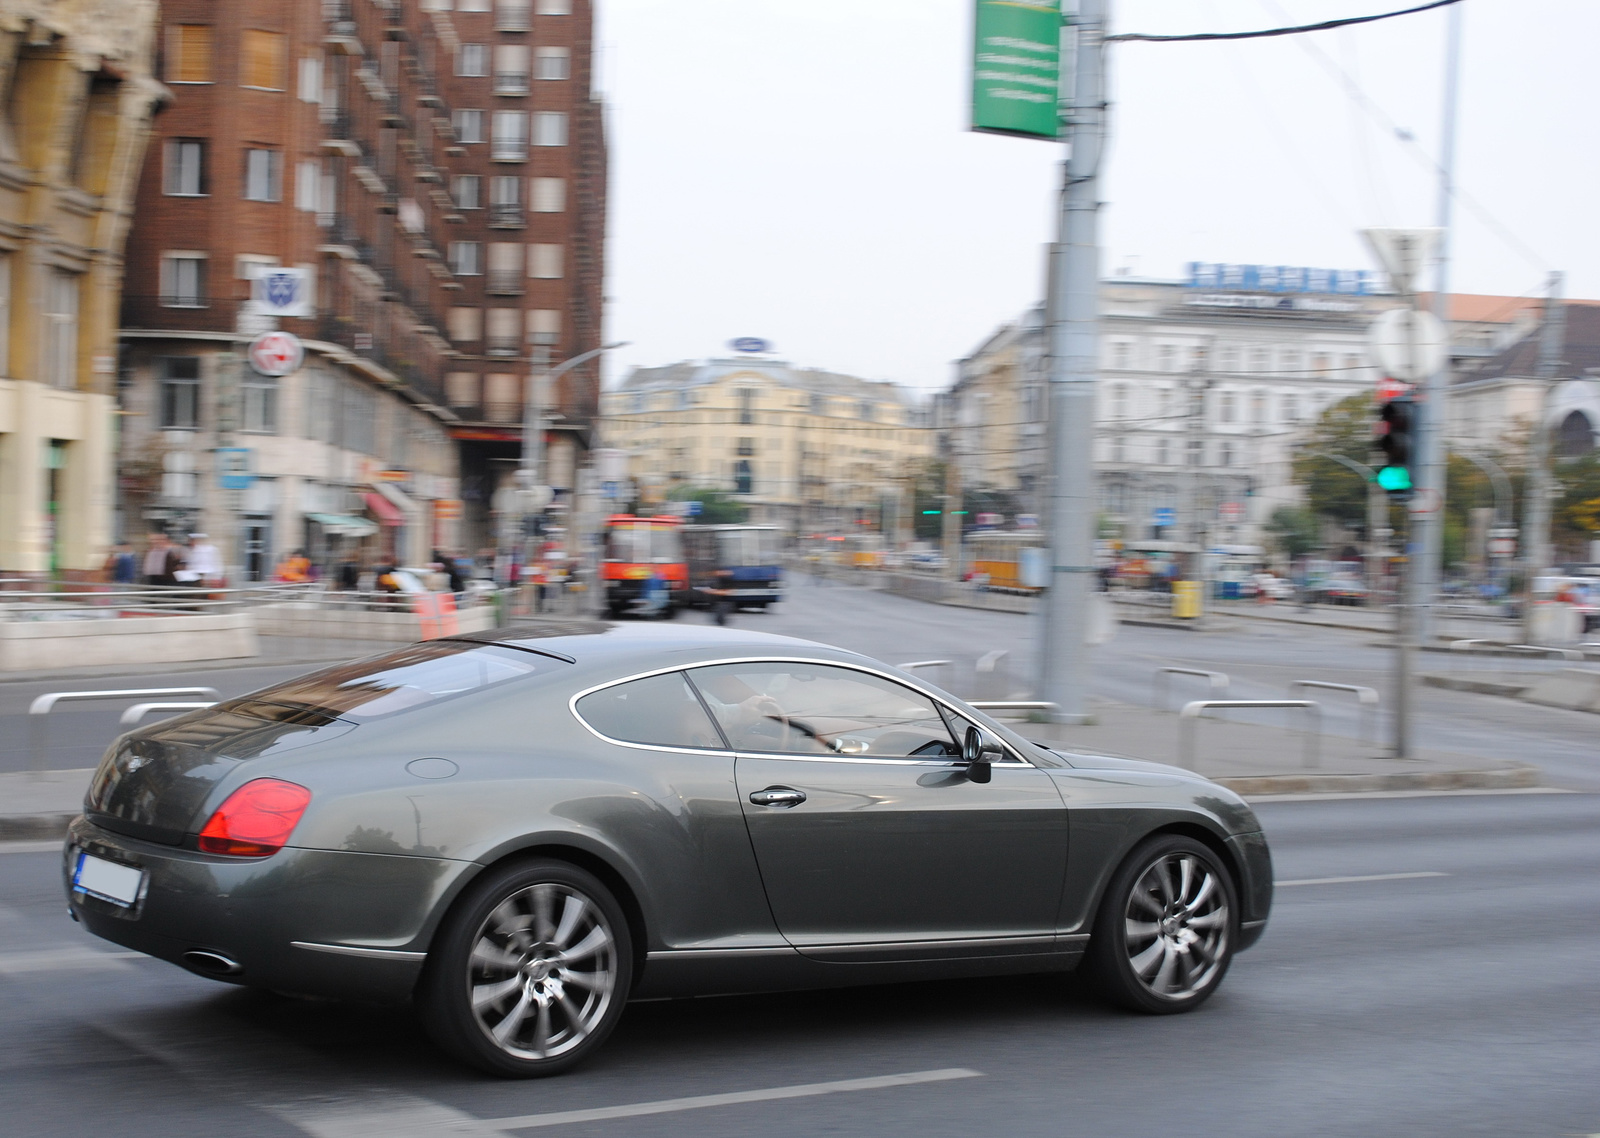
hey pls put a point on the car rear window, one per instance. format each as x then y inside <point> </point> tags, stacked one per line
<point>404,680</point>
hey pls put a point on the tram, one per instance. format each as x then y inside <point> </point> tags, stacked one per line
<point>1012,562</point>
<point>737,564</point>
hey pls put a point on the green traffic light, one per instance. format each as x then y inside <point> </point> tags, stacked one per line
<point>1393,478</point>
<point>930,511</point>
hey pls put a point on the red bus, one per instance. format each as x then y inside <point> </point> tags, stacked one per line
<point>635,550</point>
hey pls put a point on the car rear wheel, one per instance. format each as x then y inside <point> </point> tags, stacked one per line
<point>530,972</point>
<point>1166,929</point>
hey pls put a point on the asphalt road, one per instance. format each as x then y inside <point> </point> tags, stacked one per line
<point>1260,657</point>
<point>1457,1003</point>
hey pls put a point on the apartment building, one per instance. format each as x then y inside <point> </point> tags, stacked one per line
<point>78,95</point>
<point>404,158</point>
<point>804,448</point>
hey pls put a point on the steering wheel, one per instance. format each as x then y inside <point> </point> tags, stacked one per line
<point>776,713</point>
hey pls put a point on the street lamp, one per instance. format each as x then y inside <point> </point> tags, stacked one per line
<point>533,494</point>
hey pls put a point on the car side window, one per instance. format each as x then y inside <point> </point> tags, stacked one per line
<point>818,709</point>
<point>660,711</point>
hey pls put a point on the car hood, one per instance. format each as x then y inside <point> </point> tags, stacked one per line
<point>1093,762</point>
<point>152,783</point>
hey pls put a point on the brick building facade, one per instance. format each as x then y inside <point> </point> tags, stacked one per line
<point>406,157</point>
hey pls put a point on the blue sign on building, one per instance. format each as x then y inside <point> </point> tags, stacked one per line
<point>233,468</point>
<point>1165,516</point>
<point>751,344</point>
<point>1282,278</point>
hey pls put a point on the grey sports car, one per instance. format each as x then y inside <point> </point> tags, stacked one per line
<point>522,832</point>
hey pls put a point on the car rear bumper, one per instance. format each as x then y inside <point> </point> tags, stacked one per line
<point>311,922</point>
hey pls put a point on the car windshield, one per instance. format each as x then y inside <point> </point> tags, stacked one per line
<point>641,543</point>
<point>406,679</point>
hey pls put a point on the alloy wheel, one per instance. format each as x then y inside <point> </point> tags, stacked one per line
<point>543,971</point>
<point>1176,926</point>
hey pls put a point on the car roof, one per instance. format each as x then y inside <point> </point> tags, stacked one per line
<point>588,642</point>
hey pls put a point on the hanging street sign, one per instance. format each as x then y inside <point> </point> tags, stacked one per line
<point>1017,68</point>
<point>233,468</point>
<point>276,353</point>
<point>1164,516</point>
<point>282,292</point>
<point>1407,344</point>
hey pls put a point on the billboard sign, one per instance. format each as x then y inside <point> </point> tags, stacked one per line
<point>750,344</point>
<point>1282,278</point>
<point>1016,68</point>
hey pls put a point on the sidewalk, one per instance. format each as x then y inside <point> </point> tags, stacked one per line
<point>1262,759</point>
<point>1249,758</point>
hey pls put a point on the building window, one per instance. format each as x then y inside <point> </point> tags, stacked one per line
<point>505,200</point>
<point>502,338</point>
<point>264,61</point>
<point>544,326</point>
<point>550,128</point>
<point>819,404</point>
<point>1167,358</point>
<point>1195,451</point>
<point>510,136</point>
<point>505,267</point>
<point>743,480</point>
<point>511,69</point>
<point>466,258</point>
<point>1258,407</point>
<point>1119,401</point>
<point>1119,449</point>
<point>1291,364</point>
<point>1291,408</point>
<point>747,447</point>
<point>59,353</point>
<point>1258,361</point>
<point>469,126</point>
<point>5,315</point>
<point>1228,359</point>
<point>461,388</point>
<point>180,393</point>
<point>189,53</point>
<point>259,394</point>
<point>263,175</point>
<point>1225,407</point>
<point>183,280</point>
<point>1225,454</point>
<point>544,262</point>
<point>307,186</point>
<point>472,61</point>
<point>1353,367</point>
<point>184,172</point>
<point>1161,451</point>
<point>311,79</point>
<point>746,397</point>
<point>468,191</point>
<point>471,5</point>
<point>547,195</point>
<point>554,63</point>
<point>1120,354</point>
<point>513,15</point>
<point>1322,364</point>
<point>466,324</point>
<point>555,7</point>
<point>360,419</point>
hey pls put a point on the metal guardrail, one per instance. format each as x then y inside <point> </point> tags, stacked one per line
<point>139,710</point>
<point>1543,650</point>
<point>40,709</point>
<point>988,661</point>
<point>1191,712</point>
<point>915,664</point>
<point>1366,698</point>
<point>1160,685</point>
<point>1011,704</point>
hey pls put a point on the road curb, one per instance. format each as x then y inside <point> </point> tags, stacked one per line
<point>1476,687</point>
<point>34,827</point>
<point>1505,778</point>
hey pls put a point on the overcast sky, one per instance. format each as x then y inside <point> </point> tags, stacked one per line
<point>800,170</point>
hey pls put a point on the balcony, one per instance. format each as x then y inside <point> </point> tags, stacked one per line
<point>336,131</point>
<point>511,83</point>
<point>507,215</point>
<point>503,282</point>
<point>513,16</point>
<point>502,347</point>
<point>508,150</point>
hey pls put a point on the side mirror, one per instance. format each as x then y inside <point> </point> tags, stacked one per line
<point>976,752</point>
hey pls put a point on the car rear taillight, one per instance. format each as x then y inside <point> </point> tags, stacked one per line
<point>256,820</point>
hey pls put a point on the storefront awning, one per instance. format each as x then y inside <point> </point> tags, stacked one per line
<point>387,512</point>
<point>343,525</point>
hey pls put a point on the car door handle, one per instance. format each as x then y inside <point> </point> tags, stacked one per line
<point>782,797</point>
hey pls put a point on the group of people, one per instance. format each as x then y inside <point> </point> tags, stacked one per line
<point>166,563</point>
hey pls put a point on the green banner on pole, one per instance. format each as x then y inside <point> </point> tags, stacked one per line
<point>1016,68</point>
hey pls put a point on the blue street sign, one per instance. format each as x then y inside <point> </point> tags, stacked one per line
<point>1165,516</point>
<point>611,490</point>
<point>233,468</point>
<point>694,509</point>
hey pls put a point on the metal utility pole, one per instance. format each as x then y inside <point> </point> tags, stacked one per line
<point>1424,568</point>
<point>1074,337</point>
<point>950,522</point>
<point>1536,522</point>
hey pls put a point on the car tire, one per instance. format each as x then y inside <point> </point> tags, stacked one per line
<point>1166,928</point>
<point>530,971</point>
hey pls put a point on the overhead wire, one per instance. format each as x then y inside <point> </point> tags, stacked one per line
<point>1297,29</point>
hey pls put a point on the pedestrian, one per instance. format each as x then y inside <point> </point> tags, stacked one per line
<point>205,561</point>
<point>162,561</point>
<point>349,574</point>
<point>122,567</point>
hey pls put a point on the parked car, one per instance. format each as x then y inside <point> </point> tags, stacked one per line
<point>522,832</point>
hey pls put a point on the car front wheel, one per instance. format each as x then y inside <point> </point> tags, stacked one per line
<point>530,972</point>
<point>1166,928</point>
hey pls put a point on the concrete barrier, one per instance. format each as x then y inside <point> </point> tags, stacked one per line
<point>45,645</point>
<point>311,620</point>
<point>1575,688</point>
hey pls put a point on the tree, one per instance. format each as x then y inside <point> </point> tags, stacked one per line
<point>1575,521</point>
<point>1294,528</point>
<point>1333,490</point>
<point>717,507</point>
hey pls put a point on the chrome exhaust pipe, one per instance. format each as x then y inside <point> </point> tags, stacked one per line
<point>212,963</point>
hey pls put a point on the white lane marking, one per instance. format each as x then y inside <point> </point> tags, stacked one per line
<point>1346,795</point>
<point>64,958</point>
<point>380,1115</point>
<point>32,847</point>
<point>1363,877</point>
<point>697,1102</point>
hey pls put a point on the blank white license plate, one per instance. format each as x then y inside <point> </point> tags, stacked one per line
<point>107,880</point>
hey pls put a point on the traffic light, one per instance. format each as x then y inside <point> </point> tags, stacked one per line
<point>1393,429</point>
